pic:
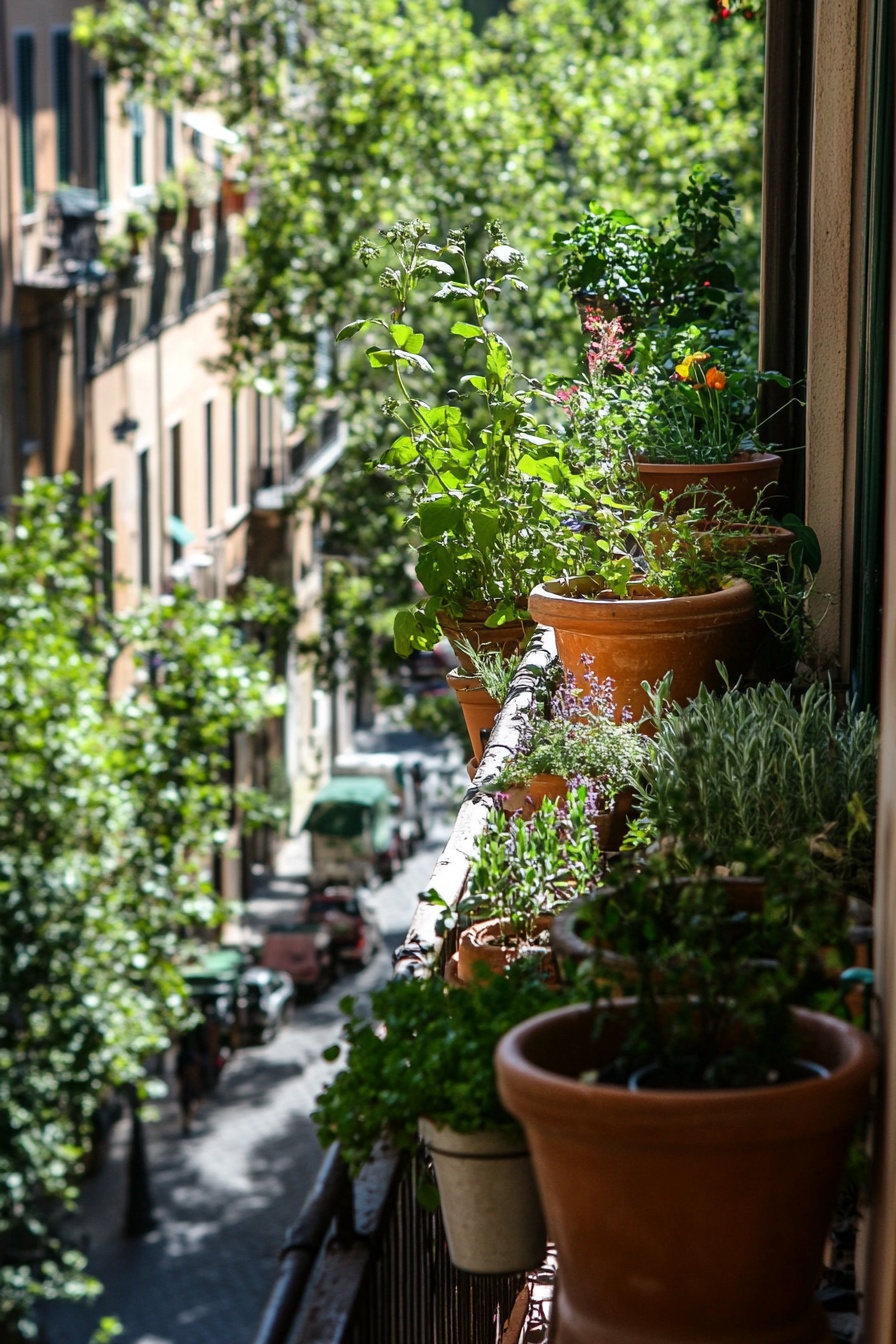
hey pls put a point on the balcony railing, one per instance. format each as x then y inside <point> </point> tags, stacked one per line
<point>365,1263</point>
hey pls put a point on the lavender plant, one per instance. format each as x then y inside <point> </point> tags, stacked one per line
<point>580,740</point>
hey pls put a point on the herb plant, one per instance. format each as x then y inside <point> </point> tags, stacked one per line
<point>494,670</point>
<point>712,977</point>
<point>580,738</point>
<point>522,869</point>
<point>487,482</point>
<point>758,766</point>
<point>426,1050</point>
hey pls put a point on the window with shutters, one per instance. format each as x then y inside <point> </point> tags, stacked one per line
<point>107,544</point>
<point>24,60</point>
<point>169,142</point>
<point>138,132</point>
<point>234,454</point>
<point>177,548</point>
<point>209,464</point>
<point>145,518</point>
<point>99,135</point>
<point>62,103</point>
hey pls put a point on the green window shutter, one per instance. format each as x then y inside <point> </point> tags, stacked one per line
<point>99,135</point>
<point>135,112</point>
<point>62,102</point>
<point>24,58</point>
<point>169,142</point>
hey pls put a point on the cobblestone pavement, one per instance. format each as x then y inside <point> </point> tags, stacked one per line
<point>224,1196</point>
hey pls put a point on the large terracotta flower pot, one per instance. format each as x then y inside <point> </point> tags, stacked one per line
<point>504,639</point>
<point>743,482</point>
<point>489,1199</point>
<point>479,708</point>
<point>639,638</point>
<point>684,1216</point>
<point>481,945</point>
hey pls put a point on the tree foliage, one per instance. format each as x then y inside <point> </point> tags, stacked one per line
<point>109,810</point>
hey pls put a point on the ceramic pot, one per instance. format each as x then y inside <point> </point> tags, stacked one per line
<point>489,1200</point>
<point>479,708</point>
<point>528,798</point>
<point>504,639</point>
<point>684,1216</point>
<point>479,946</point>
<point>641,638</point>
<point>743,482</point>
<point>763,542</point>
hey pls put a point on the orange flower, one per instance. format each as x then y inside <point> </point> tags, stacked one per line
<point>715,380</point>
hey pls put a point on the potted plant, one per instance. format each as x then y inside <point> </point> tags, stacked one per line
<point>482,692</point>
<point>487,482</point>
<point>234,190</point>
<point>139,226</point>
<point>689,1139</point>
<point>652,603</point>
<point>171,200</point>
<point>116,255</point>
<point>763,767</point>
<point>672,275</point>
<point>423,1062</point>
<point>522,870</point>
<point>578,741</point>
<point>202,186</point>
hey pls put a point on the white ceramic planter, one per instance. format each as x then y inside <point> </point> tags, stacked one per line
<point>490,1204</point>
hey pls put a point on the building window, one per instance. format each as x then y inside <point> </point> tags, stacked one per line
<point>177,549</point>
<point>209,464</point>
<point>234,454</point>
<point>107,545</point>
<point>24,59</point>
<point>138,127</point>
<point>258,429</point>
<point>99,135</point>
<point>169,142</point>
<point>62,102</point>
<point>145,518</point>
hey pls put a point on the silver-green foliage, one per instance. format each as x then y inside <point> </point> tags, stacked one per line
<point>760,766</point>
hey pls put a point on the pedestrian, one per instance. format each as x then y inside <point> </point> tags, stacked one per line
<point>188,1069</point>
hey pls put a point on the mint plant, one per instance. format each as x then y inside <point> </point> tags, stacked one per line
<point>487,483</point>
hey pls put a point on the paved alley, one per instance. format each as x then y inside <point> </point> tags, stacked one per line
<point>224,1196</point>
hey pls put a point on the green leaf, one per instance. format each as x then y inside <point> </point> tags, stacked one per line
<point>467,330</point>
<point>437,516</point>
<point>485,524</point>
<point>352,329</point>
<point>331,1053</point>
<point>548,469</point>
<point>402,452</point>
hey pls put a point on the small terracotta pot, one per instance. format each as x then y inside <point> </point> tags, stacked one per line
<point>528,798</point>
<point>472,767</point>
<point>637,639</point>
<point>479,708</point>
<point>476,946</point>
<point>489,1200</point>
<point>742,482</point>
<point>166,220</point>
<point>757,539</point>
<point>504,639</point>
<point>697,1216</point>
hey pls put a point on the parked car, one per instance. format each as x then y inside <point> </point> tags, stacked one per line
<point>265,998</point>
<point>350,920</point>
<point>304,951</point>
<point>352,834</point>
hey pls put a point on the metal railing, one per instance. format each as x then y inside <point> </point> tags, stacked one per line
<point>366,1263</point>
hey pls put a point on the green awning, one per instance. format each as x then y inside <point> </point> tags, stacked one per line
<point>342,806</point>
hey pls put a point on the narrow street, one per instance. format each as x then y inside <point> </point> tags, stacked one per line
<point>224,1196</point>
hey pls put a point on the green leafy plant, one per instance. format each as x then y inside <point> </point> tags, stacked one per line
<point>439,716</point>
<point>139,225</point>
<point>494,670</point>
<point>170,195</point>
<point>579,738</point>
<point>424,1050</point>
<point>764,767</point>
<point>201,184</point>
<point>712,974</point>
<point>487,482</point>
<point>669,276</point>
<point>115,253</point>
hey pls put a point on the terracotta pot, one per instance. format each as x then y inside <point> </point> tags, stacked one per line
<point>489,1200</point>
<point>194,217</point>
<point>479,708</point>
<point>759,540</point>
<point>166,220</point>
<point>639,639</point>
<point>472,767</point>
<point>742,482</point>
<point>684,1216</point>
<point>528,798</point>
<point>233,197</point>
<point>504,639</point>
<point>477,946</point>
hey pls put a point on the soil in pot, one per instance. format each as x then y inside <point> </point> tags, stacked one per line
<point>479,708</point>
<point>489,1200</point>
<point>642,637</point>
<point>487,944</point>
<point>745,482</point>
<point>504,639</point>
<point>684,1216</point>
